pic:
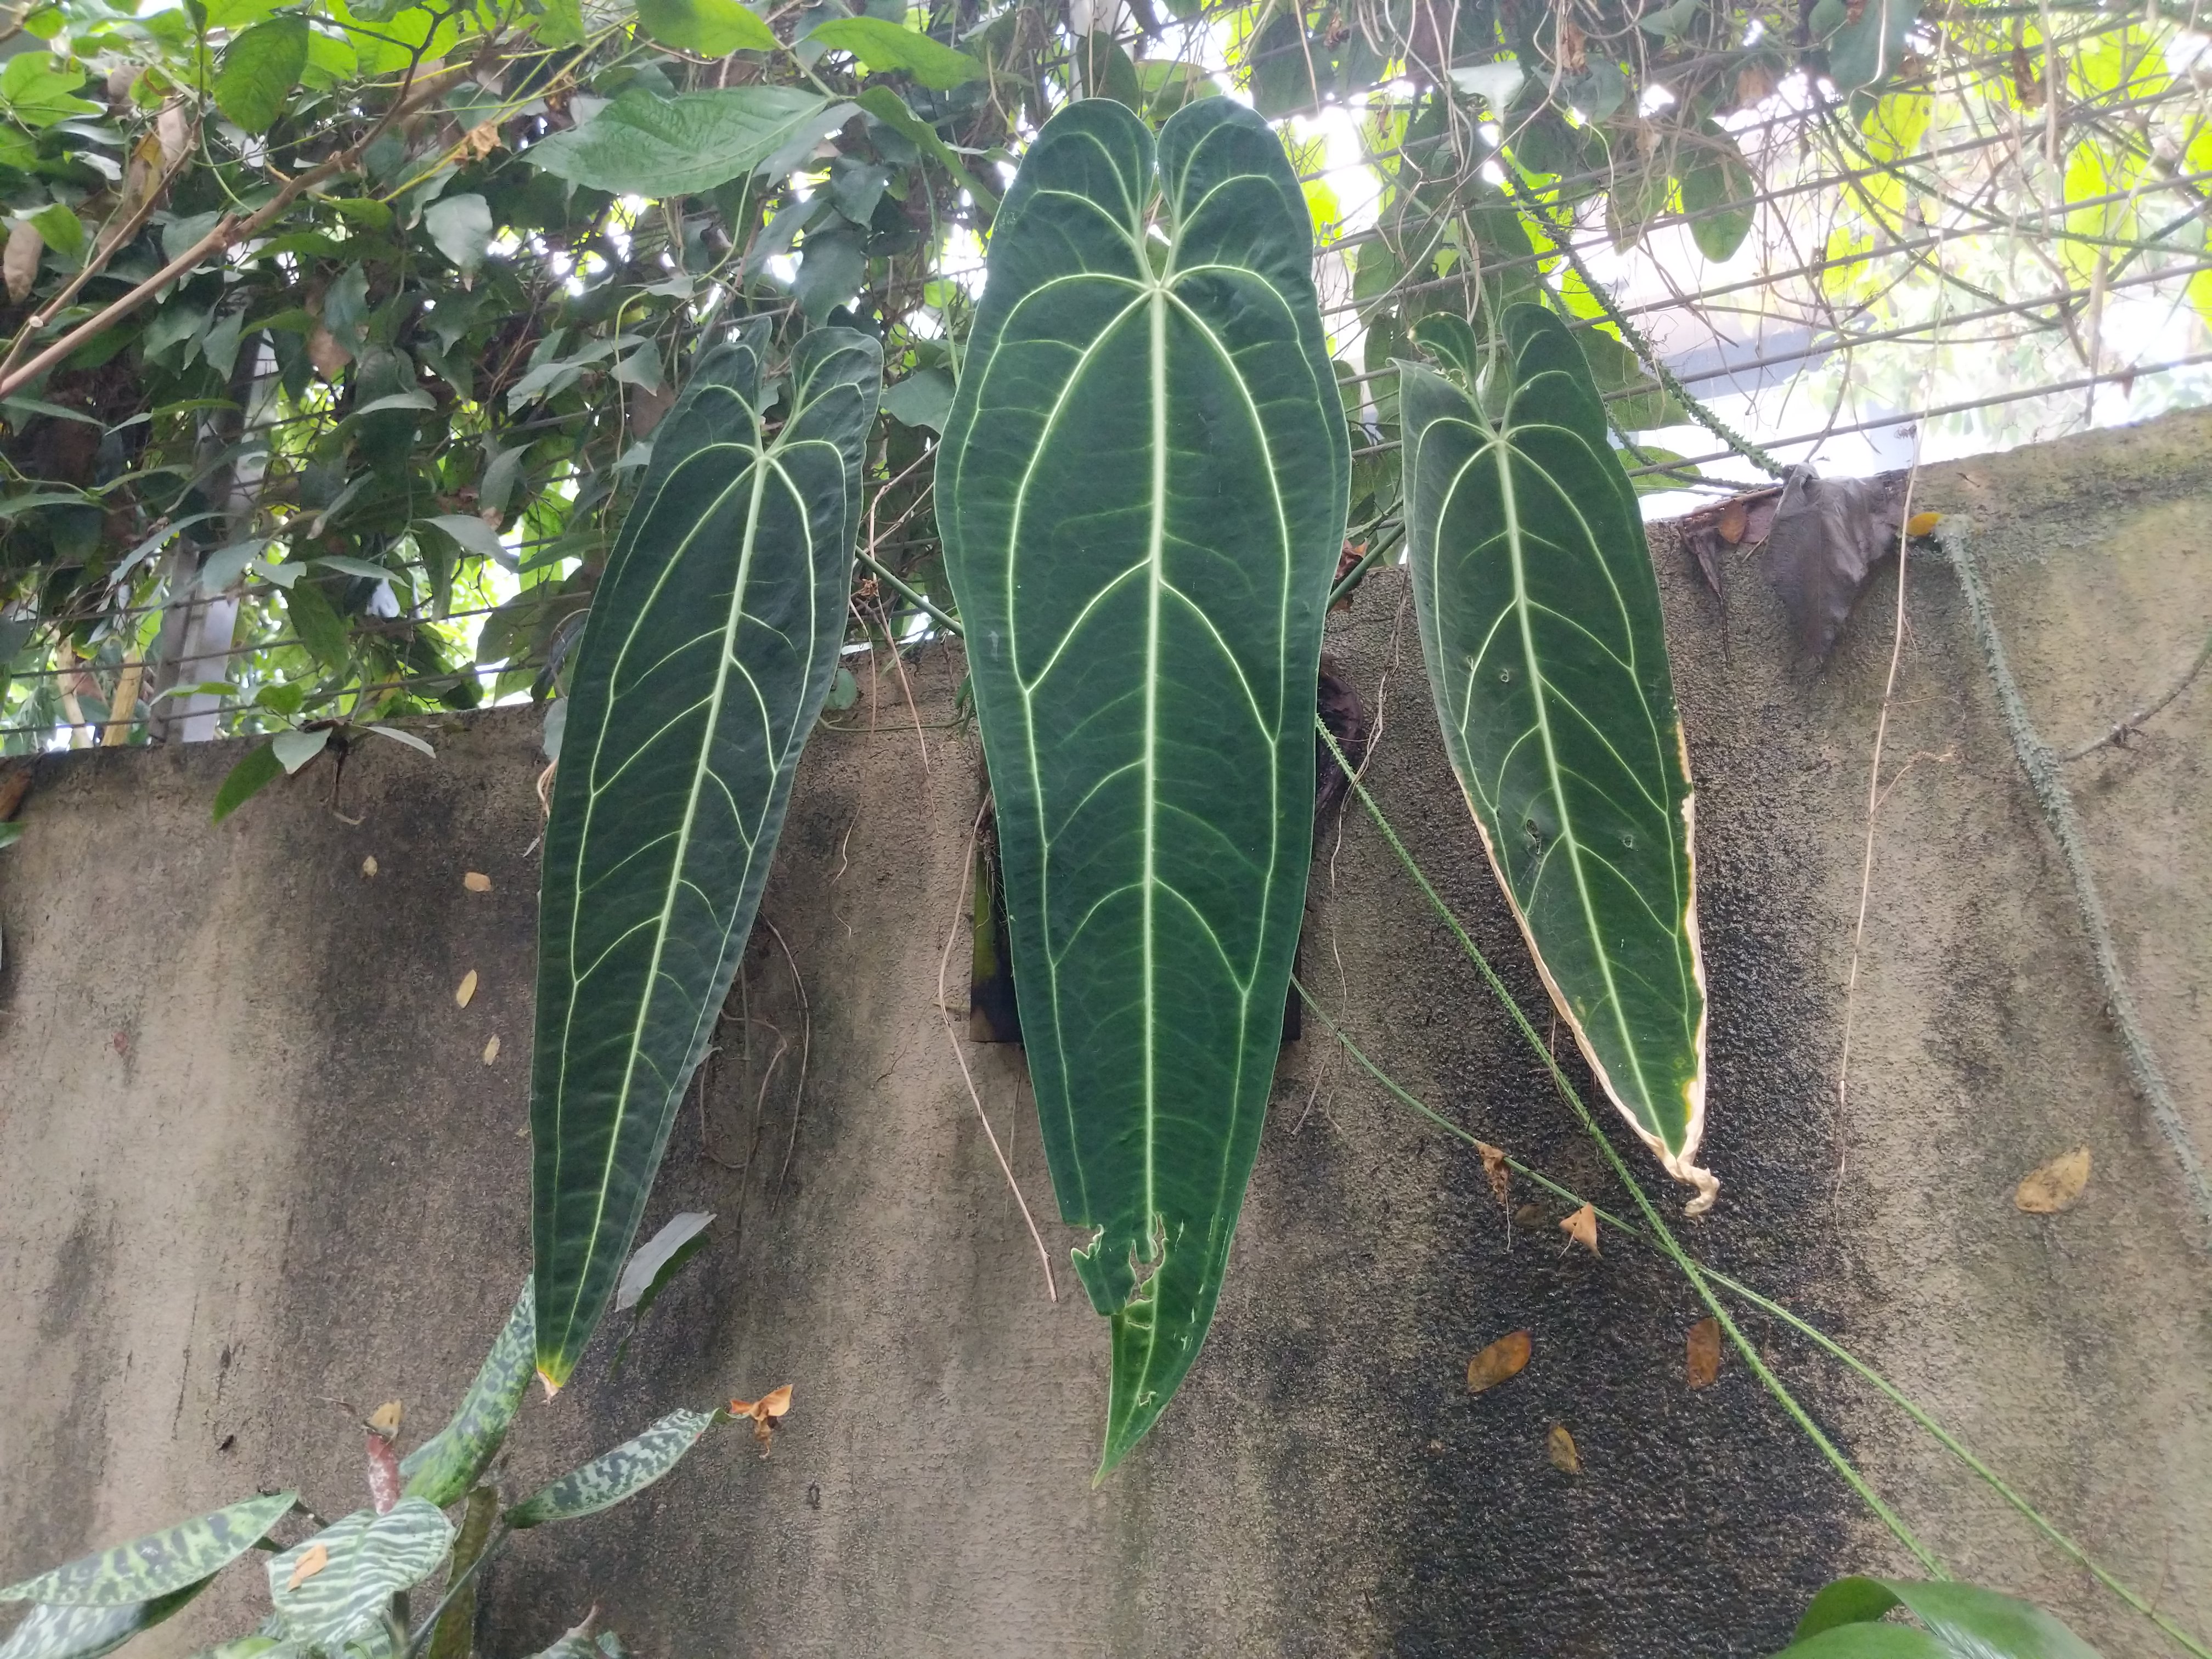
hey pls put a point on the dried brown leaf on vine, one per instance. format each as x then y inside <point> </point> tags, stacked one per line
<point>1559,1446</point>
<point>386,1418</point>
<point>1708,533</point>
<point>766,1412</point>
<point>1827,537</point>
<point>1499,1176</point>
<point>1582,1227</point>
<point>2055,1186</point>
<point>1507,1356</point>
<point>1704,1356</point>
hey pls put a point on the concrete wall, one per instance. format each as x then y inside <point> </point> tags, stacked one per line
<point>256,1177</point>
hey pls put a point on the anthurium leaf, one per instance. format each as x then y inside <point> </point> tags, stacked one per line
<point>645,145</point>
<point>713,29</point>
<point>884,45</point>
<point>152,1566</point>
<point>46,1632</point>
<point>1962,1622</point>
<point>1142,490</point>
<point>1541,623</point>
<point>366,1559</point>
<point>608,1479</point>
<point>443,1468</point>
<point>712,637</point>
<point>259,69</point>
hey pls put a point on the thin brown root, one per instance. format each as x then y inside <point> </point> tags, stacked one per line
<point>805,1052</point>
<point>951,1036</point>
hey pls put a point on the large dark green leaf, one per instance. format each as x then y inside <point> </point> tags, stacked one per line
<point>1142,492</point>
<point>1540,620</point>
<point>710,647</point>
<point>1962,1622</point>
<point>159,1563</point>
<point>443,1468</point>
<point>645,145</point>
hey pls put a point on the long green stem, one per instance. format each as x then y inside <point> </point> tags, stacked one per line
<point>1843,1465</point>
<point>1812,1333</point>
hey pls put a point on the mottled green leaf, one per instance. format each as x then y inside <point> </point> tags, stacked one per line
<point>644,145</point>
<point>1962,1622</point>
<point>1541,623</point>
<point>86,1632</point>
<point>158,1562</point>
<point>711,644</point>
<point>443,1468</point>
<point>259,69</point>
<point>455,1636</point>
<point>608,1479</point>
<point>372,1558</point>
<point>1142,490</point>
<point>879,44</point>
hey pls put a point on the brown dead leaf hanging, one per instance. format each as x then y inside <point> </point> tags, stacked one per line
<point>1507,1356</point>
<point>1708,533</point>
<point>1582,1227</point>
<point>1827,536</point>
<point>2050,1187</point>
<point>1500,1177</point>
<point>1559,1446</point>
<point>1704,1358</point>
<point>766,1413</point>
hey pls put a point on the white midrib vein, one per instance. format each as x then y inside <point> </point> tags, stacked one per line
<point>713,724</point>
<point>1502,451</point>
<point>1155,551</point>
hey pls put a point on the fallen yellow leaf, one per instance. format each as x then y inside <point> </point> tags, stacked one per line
<point>468,988</point>
<point>476,882</point>
<point>1502,1358</point>
<point>2056,1186</point>
<point>1922,524</point>
<point>1559,1446</point>
<point>765,1412</point>
<point>317,1557</point>
<point>1582,1227</point>
<point>368,865</point>
<point>385,1419</point>
<point>1705,1354</point>
<point>491,1050</point>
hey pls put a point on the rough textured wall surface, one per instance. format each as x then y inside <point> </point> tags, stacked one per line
<point>256,1175</point>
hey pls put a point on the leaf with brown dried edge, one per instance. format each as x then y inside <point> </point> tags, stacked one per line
<point>1703,1356</point>
<point>2055,1186</point>
<point>1827,536</point>
<point>1559,1446</point>
<point>1506,1358</point>
<point>1582,1227</point>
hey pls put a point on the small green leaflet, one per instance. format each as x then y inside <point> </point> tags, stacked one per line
<point>86,1632</point>
<point>1142,489</point>
<point>443,1468</point>
<point>372,1558</point>
<point>1547,656</point>
<point>152,1566</point>
<point>613,1476</point>
<point>713,638</point>
<point>713,29</point>
<point>1845,1621</point>
<point>643,145</point>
